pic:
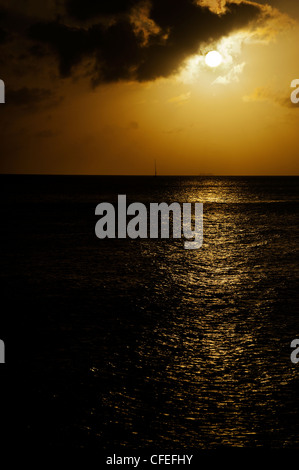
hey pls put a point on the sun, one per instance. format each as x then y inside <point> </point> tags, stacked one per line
<point>213,59</point>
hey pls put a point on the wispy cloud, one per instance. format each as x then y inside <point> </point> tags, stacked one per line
<point>232,76</point>
<point>271,96</point>
<point>184,98</point>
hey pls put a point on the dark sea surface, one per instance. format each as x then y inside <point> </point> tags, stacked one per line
<point>142,344</point>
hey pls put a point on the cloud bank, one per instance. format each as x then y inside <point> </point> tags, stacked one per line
<point>171,31</point>
<point>140,40</point>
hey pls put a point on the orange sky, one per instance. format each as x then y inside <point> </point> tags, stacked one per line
<point>233,119</point>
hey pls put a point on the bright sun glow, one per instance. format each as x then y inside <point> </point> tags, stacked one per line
<point>213,59</point>
<point>227,53</point>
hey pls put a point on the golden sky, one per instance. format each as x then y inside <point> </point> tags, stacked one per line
<point>108,87</point>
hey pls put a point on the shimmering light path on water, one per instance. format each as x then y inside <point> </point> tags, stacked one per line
<point>140,343</point>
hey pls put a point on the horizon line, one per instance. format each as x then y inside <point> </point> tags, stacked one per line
<point>150,175</point>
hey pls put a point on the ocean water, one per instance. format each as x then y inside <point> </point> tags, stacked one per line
<point>141,344</point>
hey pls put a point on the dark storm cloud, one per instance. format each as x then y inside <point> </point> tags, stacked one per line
<point>86,9</point>
<point>70,44</point>
<point>121,53</point>
<point>116,48</point>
